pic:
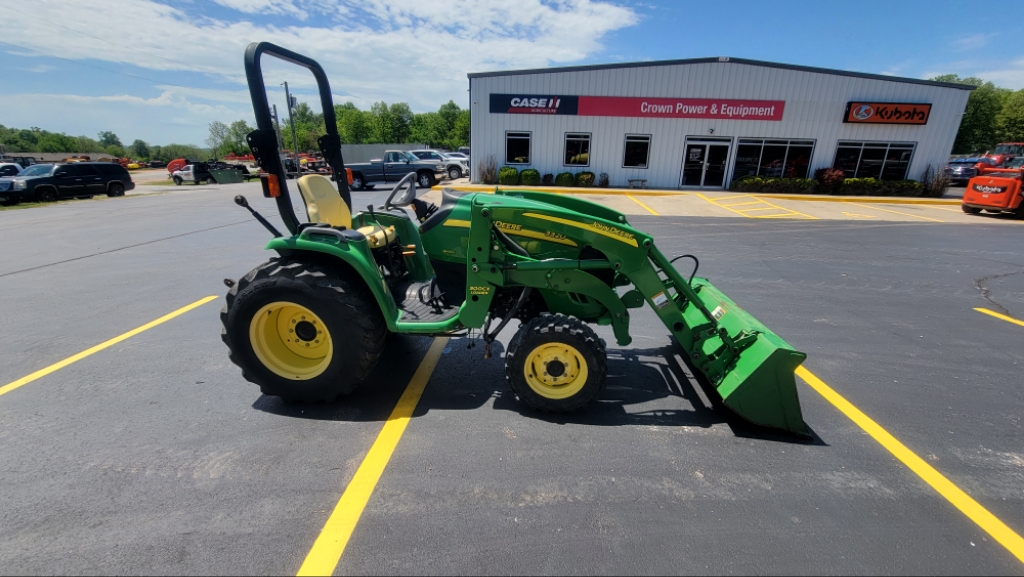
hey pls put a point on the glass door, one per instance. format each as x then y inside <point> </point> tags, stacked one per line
<point>714,168</point>
<point>693,164</point>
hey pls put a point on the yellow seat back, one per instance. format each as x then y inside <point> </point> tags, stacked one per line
<point>323,203</point>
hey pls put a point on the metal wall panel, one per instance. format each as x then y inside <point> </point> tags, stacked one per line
<point>815,105</point>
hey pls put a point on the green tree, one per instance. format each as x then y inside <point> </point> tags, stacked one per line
<point>1011,118</point>
<point>352,125</point>
<point>236,138</point>
<point>383,123</point>
<point>108,138</point>
<point>449,113</point>
<point>978,126</point>
<point>401,116</point>
<point>115,150</point>
<point>427,128</point>
<point>139,149</point>
<point>460,133</point>
<point>218,137</point>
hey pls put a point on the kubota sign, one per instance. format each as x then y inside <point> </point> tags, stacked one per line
<point>887,113</point>
<point>633,107</point>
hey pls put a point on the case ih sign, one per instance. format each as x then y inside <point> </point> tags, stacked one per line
<point>632,107</point>
<point>887,113</point>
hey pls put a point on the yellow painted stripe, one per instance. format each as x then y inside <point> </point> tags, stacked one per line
<point>740,203</point>
<point>723,206</point>
<point>74,358</point>
<point>327,550</point>
<point>630,240</point>
<point>783,215</point>
<point>456,223</point>
<point>807,216</point>
<point>999,531</point>
<point>1000,316</point>
<point>770,207</point>
<point>649,209</point>
<point>895,212</point>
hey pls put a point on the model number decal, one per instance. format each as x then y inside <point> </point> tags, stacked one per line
<point>480,290</point>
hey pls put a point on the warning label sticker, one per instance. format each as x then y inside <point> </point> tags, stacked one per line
<point>660,300</point>
<point>718,313</point>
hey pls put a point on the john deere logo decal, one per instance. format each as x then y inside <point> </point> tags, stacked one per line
<point>863,112</point>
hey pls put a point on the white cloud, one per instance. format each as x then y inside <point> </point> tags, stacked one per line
<point>972,42</point>
<point>39,68</point>
<point>1009,76</point>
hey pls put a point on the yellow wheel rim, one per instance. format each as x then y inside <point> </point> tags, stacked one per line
<point>291,340</point>
<point>556,370</point>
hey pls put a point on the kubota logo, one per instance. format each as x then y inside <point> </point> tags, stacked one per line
<point>989,189</point>
<point>863,112</point>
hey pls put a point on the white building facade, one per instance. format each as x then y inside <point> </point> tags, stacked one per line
<point>702,123</point>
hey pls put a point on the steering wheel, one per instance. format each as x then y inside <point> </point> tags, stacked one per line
<point>403,194</point>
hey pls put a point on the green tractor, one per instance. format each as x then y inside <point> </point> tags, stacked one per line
<point>309,324</point>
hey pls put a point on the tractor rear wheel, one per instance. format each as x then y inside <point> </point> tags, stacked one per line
<point>301,331</point>
<point>556,363</point>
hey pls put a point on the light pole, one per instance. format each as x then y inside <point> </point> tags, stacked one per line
<point>295,140</point>
<point>277,127</point>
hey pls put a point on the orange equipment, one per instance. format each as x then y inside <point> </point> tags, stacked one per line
<point>995,192</point>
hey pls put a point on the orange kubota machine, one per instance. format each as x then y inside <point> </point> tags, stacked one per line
<point>995,191</point>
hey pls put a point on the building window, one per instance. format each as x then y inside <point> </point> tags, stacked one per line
<point>638,150</point>
<point>517,148</point>
<point>772,158</point>
<point>577,149</point>
<point>881,160</point>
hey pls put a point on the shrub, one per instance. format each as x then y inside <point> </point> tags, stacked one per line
<point>565,179</point>
<point>861,186</point>
<point>548,179</point>
<point>901,188</point>
<point>585,178</point>
<point>488,171</point>
<point>508,175</point>
<point>777,185</point>
<point>529,177</point>
<point>934,182</point>
<point>829,179</point>
<point>602,181</point>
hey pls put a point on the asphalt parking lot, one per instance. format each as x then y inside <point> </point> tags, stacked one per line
<point>153,455</point>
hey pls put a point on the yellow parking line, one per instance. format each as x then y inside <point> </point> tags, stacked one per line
<point>786,215</point>
<point>762,208</point>
<point>1000,316</point>
<point>649,209</point>
<point>105,344</point>
<point>895,211</point>
<point>713,203</point>
<point>999,531</point>
<point>960,210</point>
<point>809,217</point>
<point>327,550</point>
<point>741,203</point>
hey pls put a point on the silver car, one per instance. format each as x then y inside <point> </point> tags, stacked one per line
<point>454,167</point>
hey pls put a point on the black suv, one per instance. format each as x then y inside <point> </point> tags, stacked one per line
<point>48,182</point>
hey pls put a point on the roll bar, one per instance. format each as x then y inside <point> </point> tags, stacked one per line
<point>263,140</point>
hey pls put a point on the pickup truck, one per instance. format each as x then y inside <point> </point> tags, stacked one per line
<point>395,165</point>
<point>195,173</point>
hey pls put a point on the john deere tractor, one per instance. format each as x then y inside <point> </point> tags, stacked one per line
<point>309,324</point>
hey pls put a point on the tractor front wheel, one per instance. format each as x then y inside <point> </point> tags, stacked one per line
<point>970,209</point>
<point>301,331</point>
<point>556,363</point>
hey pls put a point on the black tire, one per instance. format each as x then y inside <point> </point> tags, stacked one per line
<point>48,194</point>
<point>196,182</point>
<point>357,182</point>
<point>970,209</point>
<point>454,173</point>
<point>347,309</point>
<point>177,180</point>
<point>116,189</point>
<point>425,180</point>
<point>557,329</point>
<point>210,180</point>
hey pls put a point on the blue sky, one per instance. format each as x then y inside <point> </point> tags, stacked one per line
<point>162,71</point>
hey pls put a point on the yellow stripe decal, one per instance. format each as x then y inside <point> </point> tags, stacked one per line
<point>105,344</point>
<point>327,550</point>
<point>956,496</point>
<point>649,209</point>
<point>1000,316</point>
<point>456,222</point>
<point>539,236</point>
<point>630,241</point>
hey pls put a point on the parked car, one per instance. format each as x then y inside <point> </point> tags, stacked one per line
<point>395,165</point>
<point>453,167</point>
<point>9,169</point>
<point>457,156</point>
<point>194,173</point>
<point>49,182</point>
<point>961,170</point>
<point>22,161</point>
<point>157,164</point>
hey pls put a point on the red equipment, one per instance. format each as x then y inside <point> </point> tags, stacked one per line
<point>995,192</point>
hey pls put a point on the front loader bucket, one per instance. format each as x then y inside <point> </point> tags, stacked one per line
<point>750,366</point>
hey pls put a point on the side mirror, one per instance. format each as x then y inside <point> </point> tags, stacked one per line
<point>407,161</point>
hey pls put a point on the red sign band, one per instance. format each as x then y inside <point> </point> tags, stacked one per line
<point>715,108</point>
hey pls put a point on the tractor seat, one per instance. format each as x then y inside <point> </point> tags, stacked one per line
<point>324,205</point>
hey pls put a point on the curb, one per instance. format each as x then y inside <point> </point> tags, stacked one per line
<point>726,194</point>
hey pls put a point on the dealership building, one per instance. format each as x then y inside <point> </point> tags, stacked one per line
<point>702,123</point>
